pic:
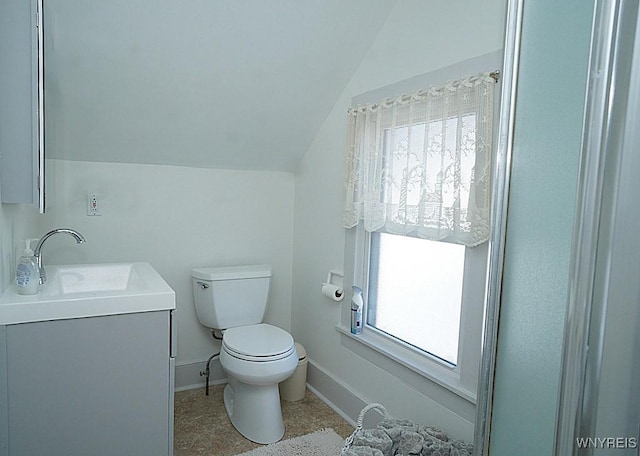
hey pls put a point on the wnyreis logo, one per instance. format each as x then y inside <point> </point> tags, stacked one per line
<point>607,442</point>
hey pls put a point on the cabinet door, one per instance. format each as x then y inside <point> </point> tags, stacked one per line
<point>90,386</point>
<point>22,106</point>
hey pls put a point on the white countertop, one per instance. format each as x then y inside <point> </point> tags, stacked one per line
<point>79,291</point>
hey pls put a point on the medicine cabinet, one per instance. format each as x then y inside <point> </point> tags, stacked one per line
<point>22,107</point>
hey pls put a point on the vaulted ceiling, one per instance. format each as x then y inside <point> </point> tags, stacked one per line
<point>238,84</point>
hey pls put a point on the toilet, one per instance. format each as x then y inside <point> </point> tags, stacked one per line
<point>254,355</point>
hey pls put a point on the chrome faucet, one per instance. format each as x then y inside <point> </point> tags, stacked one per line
<point>37,253</point>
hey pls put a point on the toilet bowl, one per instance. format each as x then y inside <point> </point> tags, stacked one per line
<point>256,358</point>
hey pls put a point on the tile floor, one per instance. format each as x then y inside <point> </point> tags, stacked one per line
<point>203,428</point>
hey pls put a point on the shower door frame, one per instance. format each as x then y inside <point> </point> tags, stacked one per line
<point>604,224</point>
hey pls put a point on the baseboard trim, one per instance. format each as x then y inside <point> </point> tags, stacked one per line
<point>333,392</point>
<point>333,406</point>
<point>188,374</point>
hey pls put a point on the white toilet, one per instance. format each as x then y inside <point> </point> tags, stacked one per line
<point>255,356</point>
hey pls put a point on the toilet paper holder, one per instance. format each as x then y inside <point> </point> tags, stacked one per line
<point>333,288</point>
<point>339,274</point>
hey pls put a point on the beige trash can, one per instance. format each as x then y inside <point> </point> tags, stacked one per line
<point>293,388</point>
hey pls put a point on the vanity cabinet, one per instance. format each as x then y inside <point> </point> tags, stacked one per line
<point>21,102</point>
<point>88,386</point>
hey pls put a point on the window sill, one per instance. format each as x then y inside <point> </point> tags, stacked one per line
<point>431,369</point>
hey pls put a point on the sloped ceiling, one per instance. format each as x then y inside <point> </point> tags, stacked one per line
<point>237,84</point>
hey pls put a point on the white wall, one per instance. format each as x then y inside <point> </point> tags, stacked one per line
<point>6,243</point>
<point>176,218</point>
<point>418,37</point>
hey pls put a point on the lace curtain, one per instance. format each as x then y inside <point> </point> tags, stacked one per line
<point>419,165</point>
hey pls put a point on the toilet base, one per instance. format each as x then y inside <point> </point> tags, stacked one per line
<point>254,410</point>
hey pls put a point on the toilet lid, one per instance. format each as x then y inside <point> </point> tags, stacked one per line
<point>258,341</point>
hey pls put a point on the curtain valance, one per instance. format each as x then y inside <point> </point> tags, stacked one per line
<point>420,164</point>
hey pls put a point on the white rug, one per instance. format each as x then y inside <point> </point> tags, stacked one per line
<point>320,443</point>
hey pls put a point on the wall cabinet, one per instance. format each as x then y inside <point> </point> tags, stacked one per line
<point>22,102</point>
<point>87,386</point>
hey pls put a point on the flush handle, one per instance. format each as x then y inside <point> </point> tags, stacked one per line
<point>203,285</point>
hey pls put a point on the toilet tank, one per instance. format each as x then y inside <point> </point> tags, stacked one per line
<point>226,297</point>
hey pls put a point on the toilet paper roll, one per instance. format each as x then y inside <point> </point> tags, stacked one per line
<point>332,291</point>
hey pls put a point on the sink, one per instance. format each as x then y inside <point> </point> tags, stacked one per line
<point>94,278</point>
<point>87,290</point>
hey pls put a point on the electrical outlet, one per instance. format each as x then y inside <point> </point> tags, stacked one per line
<point>93,204</point>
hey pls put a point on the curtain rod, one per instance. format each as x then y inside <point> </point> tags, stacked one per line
<point>353,110</point>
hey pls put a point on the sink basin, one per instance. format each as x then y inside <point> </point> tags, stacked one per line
<point>87,290</point>
<point>94,278</point>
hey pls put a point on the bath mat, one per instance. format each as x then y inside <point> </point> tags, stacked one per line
<point>320,443</point>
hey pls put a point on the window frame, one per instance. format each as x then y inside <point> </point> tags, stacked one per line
<point>461,379</point>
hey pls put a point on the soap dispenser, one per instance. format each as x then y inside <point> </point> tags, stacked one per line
<point>27,271</point>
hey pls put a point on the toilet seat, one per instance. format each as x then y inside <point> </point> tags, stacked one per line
<point>258,343</point>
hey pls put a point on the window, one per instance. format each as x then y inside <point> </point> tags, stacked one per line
<point>415,292</point>
<point>418,193</point>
